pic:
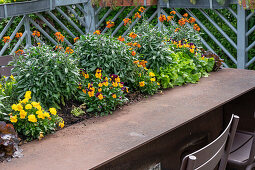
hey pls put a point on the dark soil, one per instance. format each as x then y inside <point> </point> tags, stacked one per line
<point>69,118</point>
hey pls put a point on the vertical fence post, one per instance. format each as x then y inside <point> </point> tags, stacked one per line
<point>159,12</point>
<point>27,29</point>
<point>90,18</point>
<point>242,39</point>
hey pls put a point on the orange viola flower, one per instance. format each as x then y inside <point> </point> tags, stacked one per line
<point>137,15</point>
<point>169,18</point>
<point>109,24</point>
<point>192,20</point>
<point>121,38</point>
<point>133,53</point>
<point>76,39</point>
<point>127,21</point>
<point>69,50</point>
<point>36,34</point>
<point>6,39</point>
<point>18,35</point>
<point>133,35</point>
<point>97,32</point>
<point>162,18</point>
<point>196,27</point>
<point>172,12</point>
<point>19,52</point>
<point>141,9</point>
<point>185,15</point>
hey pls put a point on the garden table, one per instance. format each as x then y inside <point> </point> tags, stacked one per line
<point>159,129</point>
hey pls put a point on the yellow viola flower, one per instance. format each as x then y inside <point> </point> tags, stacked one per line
<point>28,106</point>
<point>46,114</point>
<point>151,74</point>
<point>32,118</point>
<point>12,77</point>
<point>100,89</point>
<point>28,95</point>
<point>19,107</point>
<point>105,83</point>
<point>121,85</point>
<point>41,116</point>
<point>98,75</point>
<point>39,112</point>
<point>53,111</point>
<point>23,114</point>
<point>114,96</point>
<point>13,119</point>
<point>61,124</point>
<point>117,79</point>
<point>14,107</point>
<point>91,93</point>
<point>142,84</point>
<point>153,79</point>
<point>115,84</point>
<point>100,96</point>
<point>192,50</point>
<point>100,85</point>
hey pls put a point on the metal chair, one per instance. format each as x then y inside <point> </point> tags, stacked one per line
<point>242,153</point>
<point>215,154</point>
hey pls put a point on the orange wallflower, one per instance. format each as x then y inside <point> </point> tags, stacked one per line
<point>18,35</point>
<point>59,36</point>
<point>137,15</point>
<point>109,24</point>
<point>97,32</point>
<point>196,27</point>
<point>69,50</point>
<point>6,39</point>
<point>185,15</point>
<point>192,20</point>
<point>130,44</point>
<point>133,53</point>
<point>162,18</point>
<point>58,47</point>
<point>76,39</point>
<point>121,38</point>
<point>141,9</point>
<point>182,21</point>
<point>19,52</point>
<point>177,29</point>
<point>36,33</point>
<point>127,21</point>
<point>172,12</point>
<point>133,35</point>
<point>169,18</point>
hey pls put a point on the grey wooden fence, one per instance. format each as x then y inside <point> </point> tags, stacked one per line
<point>77,17</point>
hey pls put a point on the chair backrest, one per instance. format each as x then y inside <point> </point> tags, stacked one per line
<point>215,153</point>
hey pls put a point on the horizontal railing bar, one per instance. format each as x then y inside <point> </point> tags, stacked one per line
<point>212,36</point>
<point>43,32</point>
<point>133,24</point>
<point>226,21</point>
<point>61,24</point>
<point>19,42</point>
<point>232,12</point>
<point>122,22</point>
<point>250,62</point>
<point>51,27</point>
<point>250,31</point>
<point>218,28</point>
<point>250,46</point>
<point>249,16</point>
<point>115,17</point>
<point>13,35</point>
<point>104,17</point>
<point>70,21</point>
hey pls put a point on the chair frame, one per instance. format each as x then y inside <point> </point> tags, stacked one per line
<point>215,153</point>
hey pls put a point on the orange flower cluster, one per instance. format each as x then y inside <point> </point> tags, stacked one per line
<point>127,21</point>
<point>162,18</point>
<point>133,53</point>
<point>192,20</point>
<point>121,38</point>
<point>172,12</point>
<point>136,45</point>
<point>170,18</point>
<point>133,35</point>
<point>185,15</point>
<point>137,15</point>
<point>76,39</point>
<point>98,32</point>
<point>141,63</point>
<point>141,9</point>
<point>36,33</point>
<point>59,37</point>
<point>196,27</point>
<point>19,52</point>
<point>6,39</point>
<point>18,35</point>
<point>182,21</point>
<point>109,24</point>
<point>69,50</point>
<point>58,47</point>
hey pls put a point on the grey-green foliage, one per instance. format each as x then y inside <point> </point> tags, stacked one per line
<point>51,76</point>
<point>154,48</point>
<point>106,52</point>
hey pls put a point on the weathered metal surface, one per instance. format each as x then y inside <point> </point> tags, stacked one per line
<point>142,129</point>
